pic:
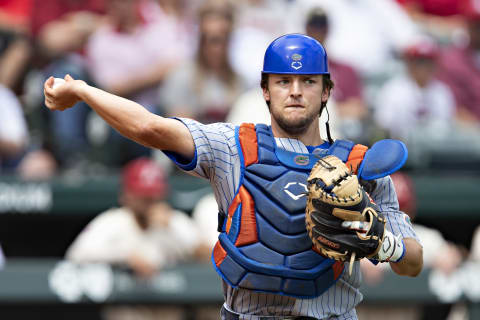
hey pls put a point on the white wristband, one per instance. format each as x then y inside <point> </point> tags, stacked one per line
<point>393,248</point>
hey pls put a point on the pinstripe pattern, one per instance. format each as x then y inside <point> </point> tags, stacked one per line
<point>386,198</point>
<point>218,161</point>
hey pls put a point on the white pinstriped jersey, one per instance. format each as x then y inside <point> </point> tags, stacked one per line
<point>217,159</point>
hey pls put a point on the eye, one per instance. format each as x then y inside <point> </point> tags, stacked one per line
<point>310,81</point>
<point>283,82</point>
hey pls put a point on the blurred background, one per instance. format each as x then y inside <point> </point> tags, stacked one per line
<point>95,226</point>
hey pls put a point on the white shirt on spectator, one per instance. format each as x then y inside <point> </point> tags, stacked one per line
<point>114,235</point>
<point>475,251</point>
<point>257,23</point>
<point>402,106</point>
<point>117,56</point>
<point>362,33</point>
<point>13,127</point>
<point>2,259</point>
<point>205,215</point>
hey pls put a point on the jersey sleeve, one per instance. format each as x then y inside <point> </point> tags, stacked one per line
<point>398,222</point>
<point>215,150</point>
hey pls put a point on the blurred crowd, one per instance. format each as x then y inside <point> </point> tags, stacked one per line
<point>406,69</point>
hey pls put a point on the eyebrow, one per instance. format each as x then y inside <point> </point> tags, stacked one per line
<point>303,76</point>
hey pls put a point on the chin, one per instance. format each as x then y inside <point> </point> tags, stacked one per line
<point>295,127</point>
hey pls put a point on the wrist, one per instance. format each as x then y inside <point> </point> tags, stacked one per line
<point>392,248</point>
<point>81,90</point>
<point>399,254</point>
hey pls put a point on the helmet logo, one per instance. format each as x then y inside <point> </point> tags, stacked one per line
<point>296,64</point>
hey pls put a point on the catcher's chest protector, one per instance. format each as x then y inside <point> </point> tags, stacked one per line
<point>264,245</point>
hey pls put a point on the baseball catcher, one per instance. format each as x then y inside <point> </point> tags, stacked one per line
<point>342,221</point>
<point>259,173</point>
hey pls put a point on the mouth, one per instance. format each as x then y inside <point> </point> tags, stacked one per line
<point>295,106</point>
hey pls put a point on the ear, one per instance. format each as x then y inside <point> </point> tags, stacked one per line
<point>325,95</point>
<point>266,94</point>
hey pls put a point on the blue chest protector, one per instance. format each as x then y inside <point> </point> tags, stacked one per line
<point>263,244</point>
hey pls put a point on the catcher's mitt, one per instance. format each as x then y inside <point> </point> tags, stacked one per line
<point>341,220</point>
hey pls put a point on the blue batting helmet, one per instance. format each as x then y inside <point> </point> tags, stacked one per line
<point>295,54</point>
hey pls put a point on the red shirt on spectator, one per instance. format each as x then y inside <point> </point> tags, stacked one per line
<point>45,11</point>
<point>436,7</point>
<point>347,83</point>
<point>459,68</point>
<point>16,12</point>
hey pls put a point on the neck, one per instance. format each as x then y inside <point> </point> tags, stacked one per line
<point>126,26</point>
<point>422,83</point>
<point>141,220</point>
<point>309,137</point>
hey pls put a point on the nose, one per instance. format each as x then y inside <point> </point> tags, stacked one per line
<point>295,89</point>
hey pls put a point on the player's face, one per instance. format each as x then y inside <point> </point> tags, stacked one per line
<point>295,101</point>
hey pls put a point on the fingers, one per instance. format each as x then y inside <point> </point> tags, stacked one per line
<point>49,96</point>
<point>59,98</point>
<point>359,226</point>
<point>50,105</point>
<point>49,82</point>
<point>48,86</point>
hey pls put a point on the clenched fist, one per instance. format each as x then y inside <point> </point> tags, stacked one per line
<point>64,96</point>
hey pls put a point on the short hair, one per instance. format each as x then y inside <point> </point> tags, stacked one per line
<point>317,18</point>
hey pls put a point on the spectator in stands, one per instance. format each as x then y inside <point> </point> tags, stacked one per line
<point>441,19</point>
<point>144,234</point>
<point>380,29</point>
<point>415,103</point>
<point>176,19</point>
<point>205,217</point>
<point>131,54</point>
<point>126,57</point>
<point>205,88</point>
<point>475,251</point>
<point>13,129</point>
<point>257,22</point>
<point>60,30</point>
<point>351,109</point>
<point>459,68</point>
<point>2,258</point>
<point>15,45</point>
<point>18,153</point>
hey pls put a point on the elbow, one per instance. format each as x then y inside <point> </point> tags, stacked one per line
<point>420,265</point>
<point>412,264</point>
<point>416,269</point>
<point>416,264</point>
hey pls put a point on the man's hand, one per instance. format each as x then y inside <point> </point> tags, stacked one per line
<point>141,266</point>
<point>159,215</point>
<point>64,96</point>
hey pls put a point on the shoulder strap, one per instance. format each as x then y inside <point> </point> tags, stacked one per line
<point>247,137</point>
<point>356,157</point>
